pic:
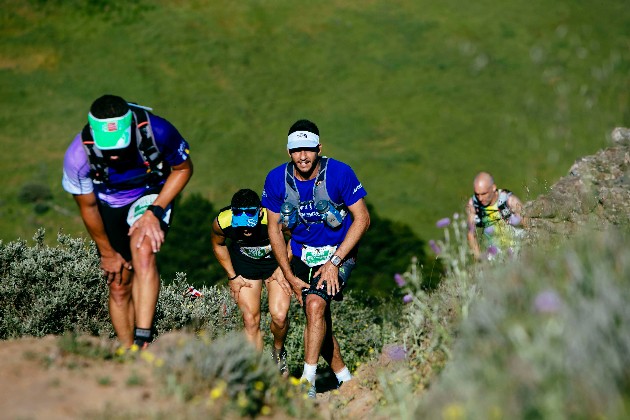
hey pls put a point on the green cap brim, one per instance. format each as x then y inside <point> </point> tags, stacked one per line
<point>111,133</point>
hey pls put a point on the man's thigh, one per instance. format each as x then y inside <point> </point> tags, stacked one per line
<point>249,297</point>
<point>116,228</point>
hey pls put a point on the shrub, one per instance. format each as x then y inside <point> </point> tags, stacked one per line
<point>34,193</point>
<point>229,371</point>
<point>549,337</point>
<point>49,290</point>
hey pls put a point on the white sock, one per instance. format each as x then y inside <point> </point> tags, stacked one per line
<point>343,375</point>
<point>309,372</point>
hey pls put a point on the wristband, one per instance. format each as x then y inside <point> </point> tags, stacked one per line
<point>157,211</point>
<point>232,278</point>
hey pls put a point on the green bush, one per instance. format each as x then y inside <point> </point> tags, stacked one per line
<point>548,337</point>
<point>231,371</point>
<point>215,312</point>
<point>49,290</point>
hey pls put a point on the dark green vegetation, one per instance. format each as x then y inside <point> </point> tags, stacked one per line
<point>416,96</point>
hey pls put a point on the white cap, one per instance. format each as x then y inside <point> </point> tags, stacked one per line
<point>299,139</point>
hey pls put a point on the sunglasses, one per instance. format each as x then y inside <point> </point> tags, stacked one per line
<point>249,212</point>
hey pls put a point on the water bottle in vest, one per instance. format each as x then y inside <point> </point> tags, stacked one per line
<point>288,215</point>
<point>329,213</point>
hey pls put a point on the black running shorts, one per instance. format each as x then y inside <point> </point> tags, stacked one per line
<point>117,229</point>
<point>250,268</point>
<point>305,273</point>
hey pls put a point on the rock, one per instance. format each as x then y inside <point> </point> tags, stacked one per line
<point>621,136</point>
<point>596,191</point>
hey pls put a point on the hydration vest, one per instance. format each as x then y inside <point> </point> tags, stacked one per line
<point>292,195</point>
<point>145,143</point>
<point>256,246</point>
<point>482,213</point>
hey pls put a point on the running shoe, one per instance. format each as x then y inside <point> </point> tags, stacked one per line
<point>282,363</point>
<point>312,392</point>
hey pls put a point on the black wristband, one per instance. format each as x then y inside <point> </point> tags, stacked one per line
<point>232,278</point>
<point>157,211</point>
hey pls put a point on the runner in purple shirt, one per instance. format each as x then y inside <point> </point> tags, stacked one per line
<point>124,170</point>
<point>320,200</point>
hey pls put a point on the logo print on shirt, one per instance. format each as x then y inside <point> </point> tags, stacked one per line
<point>358,187</point>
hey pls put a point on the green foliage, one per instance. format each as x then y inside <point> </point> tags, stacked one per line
<point>50,290</point>
<point>549,337</point>
<point>188,247</point>
<point>543,335</point>
<point>215,312</point>
<point>228,369</point>
<point>386,249</point>
<point>34,192</point>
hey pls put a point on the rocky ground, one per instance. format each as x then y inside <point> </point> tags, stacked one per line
<point>40,380</point>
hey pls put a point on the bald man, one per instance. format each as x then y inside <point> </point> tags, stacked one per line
<point>498,212</point>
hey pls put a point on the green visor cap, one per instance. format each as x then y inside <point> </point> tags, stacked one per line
<point>111,133</point>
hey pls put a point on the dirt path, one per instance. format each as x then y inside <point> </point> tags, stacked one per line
<point>41,381</point>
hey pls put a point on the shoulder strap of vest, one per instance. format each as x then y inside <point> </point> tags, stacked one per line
<point>502,205</point>
<point>99,172</point>
<point>146,142</point>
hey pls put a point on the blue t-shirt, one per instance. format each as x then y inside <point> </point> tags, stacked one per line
<point>76,166</point>
<point>342,186</point>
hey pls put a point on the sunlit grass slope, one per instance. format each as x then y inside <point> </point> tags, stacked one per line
<point>417,96</point>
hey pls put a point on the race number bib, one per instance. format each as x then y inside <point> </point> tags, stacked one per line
<point>313,256</point>
<point>138,208</point>
<point>256,252</point>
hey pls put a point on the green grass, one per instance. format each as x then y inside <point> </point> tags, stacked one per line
<point>416,96</point>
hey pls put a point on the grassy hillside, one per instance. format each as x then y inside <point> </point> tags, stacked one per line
<point>417,96</point>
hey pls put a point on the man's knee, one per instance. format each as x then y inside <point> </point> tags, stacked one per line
<point>251,321</point>
<point>143,257</point>
<point>279,319</point>
<point>315,306</point>
<point>120,294</point>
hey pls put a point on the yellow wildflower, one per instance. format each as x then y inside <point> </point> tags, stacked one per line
<point>148,356</point>
<point>218,390</point>
<point>242,400</point>
<point>453,412</point>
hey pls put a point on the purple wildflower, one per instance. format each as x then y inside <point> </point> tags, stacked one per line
<point>395,352</point>
<point>407,298</point>
<point>400,280</point>
<point>436,249</point>
<point>515,220</point>
<point>489,230</point>
<point>442,223</point>
<point>547,302</point>
<point>493,250</point>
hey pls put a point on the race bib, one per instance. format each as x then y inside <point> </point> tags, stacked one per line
<point>256,252</point>
<point>138,208</point>
<point>314,256</point>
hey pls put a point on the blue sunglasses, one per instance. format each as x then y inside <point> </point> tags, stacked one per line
<point>249,212</point>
